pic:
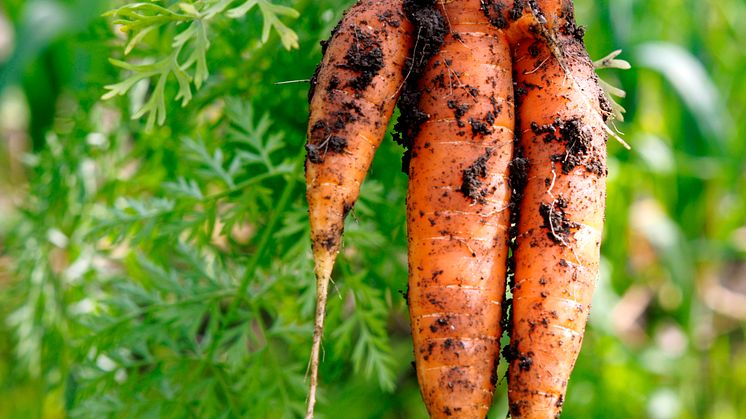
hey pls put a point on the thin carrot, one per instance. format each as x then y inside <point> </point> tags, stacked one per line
<point>562,137</point>
<point>457,209</point>
<point>352,97</point>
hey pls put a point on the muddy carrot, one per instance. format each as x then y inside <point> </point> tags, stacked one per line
<point>352,97</point>
<point>457,206</point>
<point>562,139</point>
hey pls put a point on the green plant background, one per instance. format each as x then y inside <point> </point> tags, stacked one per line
<point>166,272</point>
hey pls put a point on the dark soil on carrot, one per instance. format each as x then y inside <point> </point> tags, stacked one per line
<point>495,12</point>
<point>365,57</point>
<point>323,138</point>
<point>472,186</point>
<point>556,222</point>
<point>430,27</point>
<point>578,145</point>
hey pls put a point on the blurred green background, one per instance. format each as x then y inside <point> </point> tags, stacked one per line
<point>165,271</point>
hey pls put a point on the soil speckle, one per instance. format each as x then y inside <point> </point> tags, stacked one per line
<point>389,18</point>
<point>556,222</point>
<point>431,29</point>
<point>365,57</point>
<point>570,28</point>
<point>479,128</point>
<point>578,140</point>
<point>324,134</point>
<point>605,105</point>
<point>517,11</point>
<point>495,12</point>
<point>459,110</point>
<point>473,176</point>
<point>525,361</point>
<point>330,239</point>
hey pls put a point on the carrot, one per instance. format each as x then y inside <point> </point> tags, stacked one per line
<point>457,208</point>
<point>562,137</point>
<point>352,97</point>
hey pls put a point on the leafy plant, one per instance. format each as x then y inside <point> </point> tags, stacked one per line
<point>167,272</point>
<point>186,57</point>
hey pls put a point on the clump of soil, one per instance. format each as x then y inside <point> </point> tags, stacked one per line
<point>472,185</point>
<point>555,220</point>
<point>570,28</point>
<point>578,145</point>
<point>364,57</point>
<point>431,29</point>
<point>495,12</point>
<point>459,110</point>
<point>389,18</point>
<point>325,134</point>
<point>479,128</point>
<point>499,15</point>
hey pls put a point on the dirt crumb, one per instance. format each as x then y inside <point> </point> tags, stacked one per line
<point>473,176</point>
<point>578,140</point>
<point>459,110</point>
<point>365,57</point>
<point>517,11</point>
<point>330,239</point>
<point>479,128</point>
<point>570,28</point>
<point>431,29</point>
<point>525,361</point>
<point>605,105</point>
<point>389,18</point>
<point>324,135</point>
<point>495,12</point>
<point>556,222</point>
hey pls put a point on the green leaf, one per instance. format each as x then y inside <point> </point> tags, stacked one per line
<point>187,59</point>
<point>270,13</point>
<point>610,61</point>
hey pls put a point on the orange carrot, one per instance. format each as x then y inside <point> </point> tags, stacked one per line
<point>352,97</point>
<point>562,137</point>
<point>457,209</point>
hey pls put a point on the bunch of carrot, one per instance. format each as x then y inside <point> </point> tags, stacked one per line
<point>504,122</point>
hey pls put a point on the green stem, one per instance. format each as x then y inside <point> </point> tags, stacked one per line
<point>241,186</point>
<point>275,362</point>
<point>266,235</point>
<point>254,262</point>
<point>201,299</point>
<point>232,402</point>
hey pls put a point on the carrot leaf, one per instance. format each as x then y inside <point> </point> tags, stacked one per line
<point>612,62</point>
<point>190,22</point>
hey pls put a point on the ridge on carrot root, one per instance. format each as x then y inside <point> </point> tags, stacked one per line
<point>351,99</point>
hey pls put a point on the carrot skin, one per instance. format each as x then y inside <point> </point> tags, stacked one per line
<point>457,214</point>
<point>351,99</point>
<point>353,96</point>
<point>563,140</point>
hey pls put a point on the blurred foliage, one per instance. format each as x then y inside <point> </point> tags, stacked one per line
<point>162,268</point>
